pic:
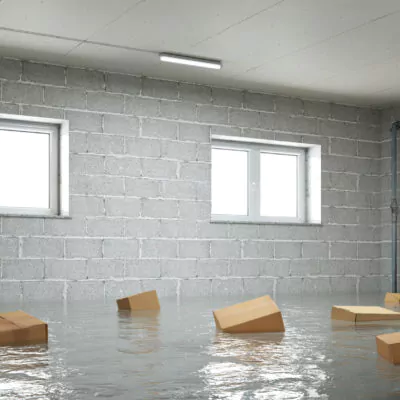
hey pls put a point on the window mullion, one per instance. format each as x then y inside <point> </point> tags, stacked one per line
<point>254,184</point>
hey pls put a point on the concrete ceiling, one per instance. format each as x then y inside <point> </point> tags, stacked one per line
<point>337,50</point>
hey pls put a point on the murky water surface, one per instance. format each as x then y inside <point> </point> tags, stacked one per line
<point>96,352</point>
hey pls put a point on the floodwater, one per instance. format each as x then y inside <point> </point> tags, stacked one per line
<point>96,352</point>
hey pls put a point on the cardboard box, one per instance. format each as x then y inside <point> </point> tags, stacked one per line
<point>392,298</point>
<point>19,328</point>
<point>257,315</point>
<point>388,346</point>
<point>363,313</point>
<point>140,301</point>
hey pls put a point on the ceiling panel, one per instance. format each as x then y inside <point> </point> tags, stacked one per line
<point>70,18</point>
<point>291,26</point>
<point>176,25</point>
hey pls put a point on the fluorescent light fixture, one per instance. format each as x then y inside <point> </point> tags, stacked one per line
<point>192,61</point>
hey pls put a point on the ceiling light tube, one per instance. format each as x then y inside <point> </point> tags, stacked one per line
<point>192,61</point>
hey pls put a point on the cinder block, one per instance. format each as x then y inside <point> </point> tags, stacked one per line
<point>315,250</point>
<point>42,291</point>
<point>10,69</point>
<point>179,150</point>
<point>121,248</point>
<point>257,315</point>
<point>123,166</point>
<point>249,119</point>
<point>297,124</point>
<point>65,269</point>
<point>105,269</point>
<point>159,129</point>
<point>78,142</point>
<point>43,73</point>
<point>10,291</point>
<point>64,97</point>
<point>369,116</point>
<point>143,228</point>
<point>142,187</point>
<point>369,250</point>
<point>8,108</point>
<point>194,248</point>
<point>195,210</point>
<point>159,248</point>
<point>194,133</point>
<point>61,227</point>
<point>19,328</point>
<point>287,250</point>
<point>195,93</point>
<point>203,152</point>
<point>363,313</point>
<point>338,129</point>
<point>242,268</point>
<point>37,111</point>
<point>143,268</point>
<point>267,124</point>
<point>369,284</point>
<point>195,287</point>
<point>212,231</point>
<point>141,107</point>
<point>122,207</point>
<point>388,347</point>
<point>42,247</point>
<point>83,248</point>
<point>227,287</point>
<point>22,226</point>
<point>121,125</point>
<point>164,287</point>
<point>105,227</point>
<point>259,101</point>
<point>317,109</point>
<point>276,268</point>
<point>343,250</point>
<point>204,190</point>
<point>22,93</point>
<point>23,269</point>
<point>227,97</point>
<point>304,267</point>
<point>178,229</point>
<point>343,147</point>
<point>85,78</point>
<point>339,181</point>
<point>179,190</point>
<point>344,216</point>
<point>118,288</point>
<point>289,105</point>
<point>84,121</point>
<point>344,113</point>
<point>105,102</point>
<point>369,149</point>
<point>87,206</point>
<point>178,110</point>
<point>160,89</point>
<point>140,301</point>
<point>213,114</point>
<point>226,130</point>
<point>178,268</point>
<point>225,249</point>
<point>289,285</point>
<point>257,249</point>
<point>195,171</point>
<point>159,169</point>
<point>87,164</point>
<point>258,286</point>
<point>85,290</point>
<point>119,83</point>
<point>140,147</point>
<point>316,286</point>
<point>212,268</point>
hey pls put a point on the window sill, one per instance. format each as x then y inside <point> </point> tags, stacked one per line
<point>35,216</point>
<point>266,223</point>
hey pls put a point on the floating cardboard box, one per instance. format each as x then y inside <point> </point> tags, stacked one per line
<point>257,315</point>
<point>19,328</point>
<point>388,347</point>
<point>392,298</point>
<point>363,313</point>
<point>140,301</point>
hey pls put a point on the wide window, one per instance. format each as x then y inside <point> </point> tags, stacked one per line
<point>33,166</point>
<point>256,182</point>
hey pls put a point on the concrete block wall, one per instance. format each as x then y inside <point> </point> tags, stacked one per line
<point>140,192</point>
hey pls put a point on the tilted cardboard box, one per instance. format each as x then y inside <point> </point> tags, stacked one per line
<point>392,298</point>
<point>388,347</point>
<point>257,315</point>
<point>19,328</point>
<point>363,313</point>
<point>140,301</point>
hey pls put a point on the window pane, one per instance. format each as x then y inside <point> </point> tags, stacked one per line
<point>24,169</point>
<point>278,185</point>
<point>229,182</point>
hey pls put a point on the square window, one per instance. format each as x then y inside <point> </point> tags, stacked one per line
<point>265,181</point>
<point>33,166</point>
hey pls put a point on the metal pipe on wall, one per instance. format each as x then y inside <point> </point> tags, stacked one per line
<point>394,206</point>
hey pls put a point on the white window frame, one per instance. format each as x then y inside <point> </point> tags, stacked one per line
<point>58,131</point>
<point>253,180</point>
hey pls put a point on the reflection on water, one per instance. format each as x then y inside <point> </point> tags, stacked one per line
<point>94,351</point>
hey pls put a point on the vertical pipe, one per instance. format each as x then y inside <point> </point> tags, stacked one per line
<point>394,206</point>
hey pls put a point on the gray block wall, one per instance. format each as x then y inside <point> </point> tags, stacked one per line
<point>140,193</point>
